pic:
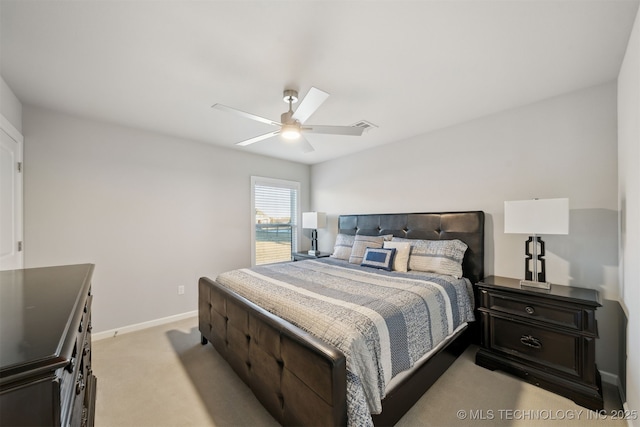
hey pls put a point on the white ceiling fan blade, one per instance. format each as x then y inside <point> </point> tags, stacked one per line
<point>258,138</point>
<point>245,114</point>
<point>334,130</point>
<point>304,145</point>
<point>310,103</point>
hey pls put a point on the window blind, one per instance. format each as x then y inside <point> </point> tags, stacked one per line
<point>275,219</point>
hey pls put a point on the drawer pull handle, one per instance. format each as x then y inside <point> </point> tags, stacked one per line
<point>71,365</point>
<point>529,309</point>
<point>80,384</point>
<point>530,341</point>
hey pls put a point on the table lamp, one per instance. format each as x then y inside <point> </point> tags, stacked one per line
<point>313,221</point>
<point>533,217</point>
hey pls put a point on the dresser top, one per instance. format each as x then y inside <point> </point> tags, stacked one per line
<point>37,310</point>
<point>573,294</point>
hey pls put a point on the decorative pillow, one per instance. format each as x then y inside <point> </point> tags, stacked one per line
<point>342,248</point>
<point>436,256</point>
<point>401,258</point>
<point>361,243</point>
<point>378,258</point>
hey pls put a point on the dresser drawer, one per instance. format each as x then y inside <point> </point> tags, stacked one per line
<point>73,375</point>
<point>543,346</point>
<point>533,309</point>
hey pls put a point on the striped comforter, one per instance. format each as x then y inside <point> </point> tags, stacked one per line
<point>382,321</point>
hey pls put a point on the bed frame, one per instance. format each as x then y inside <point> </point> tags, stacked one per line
<point>300,379</point>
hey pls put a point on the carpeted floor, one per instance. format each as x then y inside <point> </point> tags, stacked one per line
<point>162,376</point>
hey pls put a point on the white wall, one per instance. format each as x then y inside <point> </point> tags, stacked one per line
<point>560,147</point>
<point>629,205</point>
<point>152,212</point>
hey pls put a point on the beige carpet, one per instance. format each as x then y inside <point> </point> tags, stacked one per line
<point>162,376</point>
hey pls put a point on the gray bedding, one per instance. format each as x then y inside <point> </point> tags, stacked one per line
<point>382,321</point>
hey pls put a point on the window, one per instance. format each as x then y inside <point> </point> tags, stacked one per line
<point>275,207</point>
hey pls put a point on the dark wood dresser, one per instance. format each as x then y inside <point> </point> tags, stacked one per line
<point>544,336</point>
<point>45,356</point>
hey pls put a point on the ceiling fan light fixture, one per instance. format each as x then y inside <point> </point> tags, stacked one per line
<point>290,132</point>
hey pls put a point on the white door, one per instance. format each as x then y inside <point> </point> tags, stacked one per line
<point>11,254</point>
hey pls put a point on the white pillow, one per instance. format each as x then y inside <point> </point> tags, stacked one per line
<point>401,259</point>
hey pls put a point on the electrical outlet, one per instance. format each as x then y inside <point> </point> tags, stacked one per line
<point>180,290</point>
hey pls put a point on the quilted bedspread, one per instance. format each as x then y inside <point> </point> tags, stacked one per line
<point>382,321</point>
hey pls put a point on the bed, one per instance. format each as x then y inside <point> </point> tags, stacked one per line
<point>304,380</point>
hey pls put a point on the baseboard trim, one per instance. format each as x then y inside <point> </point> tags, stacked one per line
<point>609,378</point>
<point>144,325</point>
<point>630,420</point>
<point>623,396</point>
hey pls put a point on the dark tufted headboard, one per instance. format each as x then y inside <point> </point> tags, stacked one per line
<point>465,226</point>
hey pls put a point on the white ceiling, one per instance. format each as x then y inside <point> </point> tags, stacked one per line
<point>409,67</point>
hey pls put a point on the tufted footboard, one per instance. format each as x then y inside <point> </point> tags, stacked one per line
<point>299,379</point>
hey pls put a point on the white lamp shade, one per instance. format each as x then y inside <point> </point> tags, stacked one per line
<point>537,216</point>
<point>314,220</point>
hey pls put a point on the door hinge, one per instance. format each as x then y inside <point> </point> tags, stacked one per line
<point>19,246</point>
<point>19,166</point>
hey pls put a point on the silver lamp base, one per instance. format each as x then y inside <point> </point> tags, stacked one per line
<point>532,284</point>
<point>314,253</point>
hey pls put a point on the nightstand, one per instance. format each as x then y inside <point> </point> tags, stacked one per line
<point>544,336</point>
<point>299,256</point>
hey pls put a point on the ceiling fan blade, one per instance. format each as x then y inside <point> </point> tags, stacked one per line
<point>304,145</point>
<point>334,130</point>
<point>310,103</point>
<point>245,114</point>
<point>258,138</point>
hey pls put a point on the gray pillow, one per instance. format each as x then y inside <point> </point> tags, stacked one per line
<point>436,256</point>
<point>342,247</point>
<point>360,245</point>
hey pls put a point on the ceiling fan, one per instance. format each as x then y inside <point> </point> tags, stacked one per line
<point>292,123</point>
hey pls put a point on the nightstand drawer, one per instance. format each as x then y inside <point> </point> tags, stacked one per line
<point>532,309</point>
<point>537,344</point>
